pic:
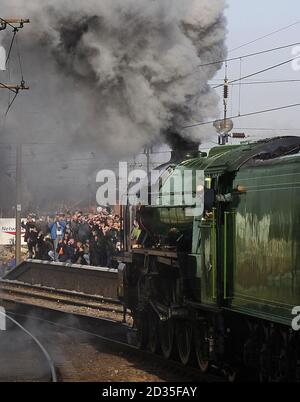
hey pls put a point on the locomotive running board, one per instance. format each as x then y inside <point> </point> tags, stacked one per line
<point>96,281</point>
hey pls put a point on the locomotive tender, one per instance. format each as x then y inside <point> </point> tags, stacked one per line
<point>220,287</point>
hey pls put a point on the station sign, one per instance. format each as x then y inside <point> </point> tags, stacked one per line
<point>8,232</point>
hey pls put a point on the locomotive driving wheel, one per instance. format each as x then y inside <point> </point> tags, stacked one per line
<point>166,332</point>
<point>201,347</point>
<point>184,339</point>
<point>153,333</point>
<point>142,331</point>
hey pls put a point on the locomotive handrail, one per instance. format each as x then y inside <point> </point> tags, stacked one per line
<point>225,272</point>
<point>214,262</point>
<point>234,243</point>
<point>225,252</point>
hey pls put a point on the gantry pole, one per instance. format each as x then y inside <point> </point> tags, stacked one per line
<point>18,211</point>
<point>16,88</point>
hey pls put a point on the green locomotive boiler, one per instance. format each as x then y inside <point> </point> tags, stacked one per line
<point>219,286</point>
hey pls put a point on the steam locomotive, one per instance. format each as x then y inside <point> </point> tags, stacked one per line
<point>219,286</point>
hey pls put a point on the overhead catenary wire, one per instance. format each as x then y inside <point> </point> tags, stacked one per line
<point>265,36</point>
<point>260,71</point>
<point>11,44</point>
<point>262,82</point>
<point>10,104</point>
<point>244,115</point>
<point>267,129</point>
<point>194,71</point>
<point>20,61</point>
<point>255,54</point>
<point>249,55</point>
<point>22,75</point>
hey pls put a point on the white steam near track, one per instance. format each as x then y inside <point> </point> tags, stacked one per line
<point>127,69</point>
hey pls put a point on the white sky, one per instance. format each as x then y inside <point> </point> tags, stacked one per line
<point>248,20</point>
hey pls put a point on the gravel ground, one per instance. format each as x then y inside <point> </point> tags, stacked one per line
<point>77,357</point>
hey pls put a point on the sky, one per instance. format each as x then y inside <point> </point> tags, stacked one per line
<point>248,20</point>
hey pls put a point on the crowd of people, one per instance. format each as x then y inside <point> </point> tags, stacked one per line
<point>85,239</point>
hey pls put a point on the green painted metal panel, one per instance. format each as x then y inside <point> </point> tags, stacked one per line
<point>267,276</point>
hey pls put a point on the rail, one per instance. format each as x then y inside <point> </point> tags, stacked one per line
<point>39,344</point>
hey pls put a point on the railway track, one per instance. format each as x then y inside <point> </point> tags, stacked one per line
<point>93,305</point>
<point>32,288</point>
<point>84,337</point>
<point>65,296</point>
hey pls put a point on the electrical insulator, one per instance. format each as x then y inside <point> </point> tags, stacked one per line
<point>238,135</point>
<point>226,90</point>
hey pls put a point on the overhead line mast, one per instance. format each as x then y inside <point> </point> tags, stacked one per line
<point>225,125</point>
<point>4,23</point>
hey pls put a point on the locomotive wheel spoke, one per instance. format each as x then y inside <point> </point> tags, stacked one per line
<point>184,339</point>
<point>201,348</point>
<point>166,331</point>
<point>153,335</point>
<point>142,331</point>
